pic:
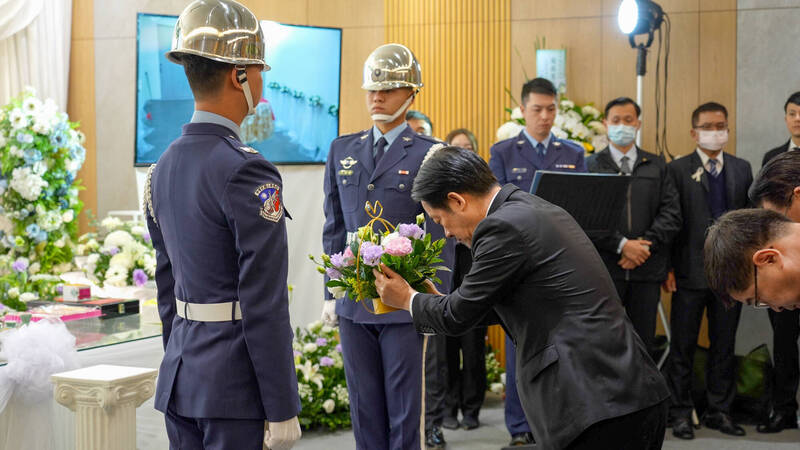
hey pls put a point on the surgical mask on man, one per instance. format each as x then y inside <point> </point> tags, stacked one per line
<point>712,140</point>
<point>621,135</point>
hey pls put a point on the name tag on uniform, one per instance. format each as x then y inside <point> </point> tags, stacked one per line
<point>565,166</point>
<point>519,170</point>
<point>345,172</point>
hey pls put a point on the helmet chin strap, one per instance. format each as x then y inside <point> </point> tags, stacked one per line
<point>389,118</point>
<point>241,75</point>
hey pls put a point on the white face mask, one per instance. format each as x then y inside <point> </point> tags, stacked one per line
<point>712,140</point>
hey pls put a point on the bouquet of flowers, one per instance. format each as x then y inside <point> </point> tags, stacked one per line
<point>495,372</point>
<point>320,378</point>
<point>41,152</point>
<point>121,255</point>
<point>407,250</point>
<point>580,124</point>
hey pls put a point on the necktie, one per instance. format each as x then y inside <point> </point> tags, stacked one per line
<point>712,167</point>
<point>380,149</point>
<point>625,166</point>
<point>540,150</point>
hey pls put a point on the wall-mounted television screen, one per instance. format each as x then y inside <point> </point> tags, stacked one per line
<point>296,118</point>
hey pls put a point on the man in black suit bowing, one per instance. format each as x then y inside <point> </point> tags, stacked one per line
<point>791,110</point>
<point>585,379</point>
<point>709,182</point>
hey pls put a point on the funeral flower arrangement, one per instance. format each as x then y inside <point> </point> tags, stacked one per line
<point>495,373</point>
<point>320,378</point>
<point>406,249</point>
<point>120,254</point>
<point>41,152</point>
<point>581,124</point>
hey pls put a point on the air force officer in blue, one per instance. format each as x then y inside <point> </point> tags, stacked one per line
<point>216,217</point>
<point>515,161</point>
<point>382,353</point>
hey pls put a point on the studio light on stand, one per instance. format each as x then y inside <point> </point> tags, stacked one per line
<point>635,18</point>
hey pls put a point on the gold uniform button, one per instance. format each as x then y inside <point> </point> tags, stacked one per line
<point>402,186</point>
<point>370,187</point>
<point>344,181</point>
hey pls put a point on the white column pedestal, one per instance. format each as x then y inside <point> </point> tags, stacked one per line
<point>105,399</point>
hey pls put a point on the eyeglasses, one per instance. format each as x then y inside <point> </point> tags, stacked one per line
<point>756,303</point>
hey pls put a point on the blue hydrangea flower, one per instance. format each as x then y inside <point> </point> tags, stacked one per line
<point>32,156</point>
<point>32,230</point>
<point>58,139</point>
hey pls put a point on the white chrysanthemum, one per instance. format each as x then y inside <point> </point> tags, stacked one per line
<point>119,239</point>
<point>516,113</point>
<point>559,133</point>
<point>111,223</point>
<point>26,297</point>
<point>309,347</point>
<point>49,221</point>
<point>27,184</point>
<point>116,276</point>
<point>567,104</point>
<point>509,130</point>
<point>123,260</point>
<point>590,110</point>
<point>18,119</point>
<point>597,127</point>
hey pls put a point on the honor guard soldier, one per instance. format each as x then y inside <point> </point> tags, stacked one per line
<point>215,213</point>
<point>382,353</point>
<point>515,161</point>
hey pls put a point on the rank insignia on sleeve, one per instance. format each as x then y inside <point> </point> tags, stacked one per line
<point>270,198</point>
<point>347,162</point>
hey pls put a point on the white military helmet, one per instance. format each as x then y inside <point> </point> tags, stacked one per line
<point>224,31</point>
<point>391,66</point>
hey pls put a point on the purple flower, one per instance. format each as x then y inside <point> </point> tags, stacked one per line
<point>321,342</point>
<point>296,353</point>
<point>410,230</point>
<point>146,237</point>
<point>20,265</point>
<point>112,251</point>
<point>342,259</point>
<point>333,273</point>
<point>139,277</point>
<point>339,348</point>
<point>325,361</point>
<point>371,253</point>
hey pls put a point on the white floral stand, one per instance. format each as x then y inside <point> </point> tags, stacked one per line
<point>104,399</point>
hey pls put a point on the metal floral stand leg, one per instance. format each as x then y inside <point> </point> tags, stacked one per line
<point>105,399</point>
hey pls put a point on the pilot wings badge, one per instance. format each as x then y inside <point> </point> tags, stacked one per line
<point>270,198</point>
<point>347,162</point>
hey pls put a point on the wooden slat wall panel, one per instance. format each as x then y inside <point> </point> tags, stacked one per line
<point>464,47</point>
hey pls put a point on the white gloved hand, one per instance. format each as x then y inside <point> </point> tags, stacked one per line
<point>329,316</point>
<point>282,435</point>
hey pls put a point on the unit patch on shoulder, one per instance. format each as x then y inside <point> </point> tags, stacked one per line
<point>270,198</point>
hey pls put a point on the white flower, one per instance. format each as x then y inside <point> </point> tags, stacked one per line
<point>15,151</point>
<point>92,244</point>
<point>93,258</point>
<point>559,120</point>
<point>31,105</point>
<point>315,326</point>
<point>305,391</point>
<point>559,133</point>
<point>580,131</point>
<point>116,276</point>
<point>119,239</point>
<point>329,405</point>
<point>337,291</point>
<point>497,388</point>
<point>60,242</point>
<point>81,249</point>
<point>18,119</point>
<point>309,347</point>
<point>123,260</point>
<point>567,104</point>
<point>27,184</point>
<point>50,221</point>
<point>597,127</point>
<point>311,373</point>
<point>341,394</point>
<point>600,141</point>
<point>27,297</point>
<point>39,167</point>
<point>508,130</point>
<point>63,267</point>
<point>13,292</point>
<point>326,329</point>
<point>516,113</point>
<point>68,216</point>
<point>138,230</point>
<point>111,223</point>
<point>149,263</point>
<point>34,268</point>
<point>590,110</point>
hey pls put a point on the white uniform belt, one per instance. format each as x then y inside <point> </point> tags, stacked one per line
<point>209,312</point>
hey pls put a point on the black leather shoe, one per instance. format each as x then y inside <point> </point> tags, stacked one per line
<point>777,422</point>
<point>450,422</point>
<point>722,422</point>
<point>470,423</point>
<point>434,439</point>
<point>521,439</point>
<point>682,428</point>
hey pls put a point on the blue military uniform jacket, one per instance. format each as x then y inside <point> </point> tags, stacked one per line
<point>216,217</point>
<point>515,160</point>
<point>351,179</point>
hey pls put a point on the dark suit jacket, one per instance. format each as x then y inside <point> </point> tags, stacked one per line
<point>651,212</point>
<point>579,360</point>
<point>691,180</point>
<point>775,152</point>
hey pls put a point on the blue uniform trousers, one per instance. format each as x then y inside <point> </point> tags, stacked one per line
<point>515,417</point>
<point>187,433</point>
<point>383,365</point>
